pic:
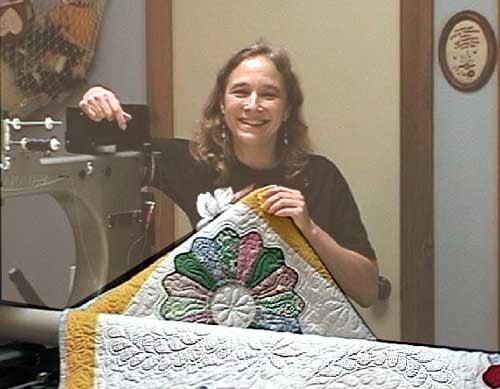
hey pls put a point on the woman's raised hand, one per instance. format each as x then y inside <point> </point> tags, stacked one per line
<point>282,201</point>
<point>100,103</point>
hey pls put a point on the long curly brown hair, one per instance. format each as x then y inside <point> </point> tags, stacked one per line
<point>209,145</point>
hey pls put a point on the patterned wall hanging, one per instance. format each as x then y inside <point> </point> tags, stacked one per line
<point>467,51</point>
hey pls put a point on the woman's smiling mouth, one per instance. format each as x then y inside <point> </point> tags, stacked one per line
<point>253,123</point>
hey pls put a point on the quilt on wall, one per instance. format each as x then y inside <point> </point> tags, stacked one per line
<point>246,268</point>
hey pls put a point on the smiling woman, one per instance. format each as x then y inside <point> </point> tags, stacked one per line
<point>252,135</point>
<point>351,98</point>
<point>256,85</point>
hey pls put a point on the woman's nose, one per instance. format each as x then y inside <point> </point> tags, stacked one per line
<point>251,102</point>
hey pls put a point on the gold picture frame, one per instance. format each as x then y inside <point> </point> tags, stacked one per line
<point>467,51</point>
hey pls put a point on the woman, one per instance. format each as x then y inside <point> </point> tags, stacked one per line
<point>252,134</point>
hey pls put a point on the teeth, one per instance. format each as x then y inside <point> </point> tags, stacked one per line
<point>253,123</point>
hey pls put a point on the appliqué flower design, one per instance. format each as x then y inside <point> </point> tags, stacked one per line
<point>211,205</point>
<point>233,281</point>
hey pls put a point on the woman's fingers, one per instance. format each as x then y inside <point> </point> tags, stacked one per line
<point>94,104</point>
<point>277,197</point>
<point>288,212</point>
<point>276,192</point>
<point>286,202</point>
<point>277,204</point>
<point>277,189</point>
<point>118,113</point>
<point>85,106</point>
<point>91,105</point>
<point>100,103</point>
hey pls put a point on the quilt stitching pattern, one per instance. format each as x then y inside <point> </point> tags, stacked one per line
<point>192,355</point>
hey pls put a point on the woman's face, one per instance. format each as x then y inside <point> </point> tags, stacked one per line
<point>255,103</point>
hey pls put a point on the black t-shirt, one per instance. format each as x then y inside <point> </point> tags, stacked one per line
<point>328,198</point>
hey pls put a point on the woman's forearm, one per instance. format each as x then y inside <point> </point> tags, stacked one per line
<point>356,274</point>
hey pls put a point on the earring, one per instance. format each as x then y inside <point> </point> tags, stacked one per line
<point>285,136</point>
<point>222,108</point>
<point>223,134</point>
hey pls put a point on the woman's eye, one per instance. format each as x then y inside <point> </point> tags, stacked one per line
<point>270,96</point>
<point>240,93</point>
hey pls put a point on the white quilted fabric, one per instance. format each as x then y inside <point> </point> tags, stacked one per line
<point>326,312</point>
<point>240,273</point>
<point>141,353</point>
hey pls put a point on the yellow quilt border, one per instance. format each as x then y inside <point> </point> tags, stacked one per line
<point>80,349</point>
<point>117,300</point>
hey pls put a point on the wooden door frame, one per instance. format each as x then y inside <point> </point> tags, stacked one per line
<point>416,190</point>
<point>417,172</point>
<point>159,79</point>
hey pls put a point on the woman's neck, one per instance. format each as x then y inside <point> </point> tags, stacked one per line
<point>258,158</point>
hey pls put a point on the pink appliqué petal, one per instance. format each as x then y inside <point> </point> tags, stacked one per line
<point>282,280</point>
<point>248,253</point>
<point>181,286</point>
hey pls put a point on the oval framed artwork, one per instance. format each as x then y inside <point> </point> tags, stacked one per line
<point>467,51</point>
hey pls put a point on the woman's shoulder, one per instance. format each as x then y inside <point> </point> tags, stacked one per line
<point>322,171</point>
<point>322,165</point>
<point>177,148</point>
<point>325,174</point>
<point>176,165</point>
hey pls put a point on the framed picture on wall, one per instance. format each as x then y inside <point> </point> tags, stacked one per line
<point>467,51</point>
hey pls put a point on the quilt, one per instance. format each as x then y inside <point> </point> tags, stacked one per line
<point>115,351</point>
<point>245,268</point>
<point>245,303</point>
